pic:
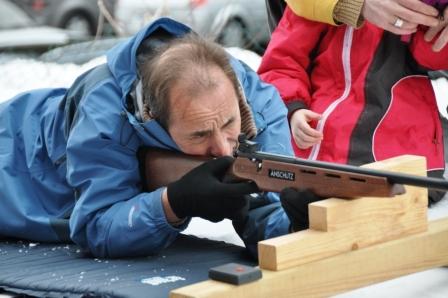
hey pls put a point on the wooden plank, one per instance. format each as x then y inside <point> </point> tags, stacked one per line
<point>339,226</point>
<point>340,273</point>
<point>307,246</point>
<point>336,214</point>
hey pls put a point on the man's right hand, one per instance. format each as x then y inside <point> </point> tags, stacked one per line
<point>384,13</point>
<point>203,193</point>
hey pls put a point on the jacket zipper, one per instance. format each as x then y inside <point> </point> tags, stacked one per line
<point>348,38</point>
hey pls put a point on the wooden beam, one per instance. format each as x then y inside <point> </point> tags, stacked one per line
<point>337,214</point>
<point>338,226</point>
<point>342,272</point>
<point>307,246</point>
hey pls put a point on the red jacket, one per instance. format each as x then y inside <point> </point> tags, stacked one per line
<point>371,88</point>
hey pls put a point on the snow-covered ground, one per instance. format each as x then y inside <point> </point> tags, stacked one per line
<point>22,74</point>
<point>19,75</point>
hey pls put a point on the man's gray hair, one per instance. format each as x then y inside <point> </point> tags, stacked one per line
<point>187,59</point>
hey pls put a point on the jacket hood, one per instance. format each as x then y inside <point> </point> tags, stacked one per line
<point>122,59</point>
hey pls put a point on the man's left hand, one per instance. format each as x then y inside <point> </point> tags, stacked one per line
<point>295,203</point>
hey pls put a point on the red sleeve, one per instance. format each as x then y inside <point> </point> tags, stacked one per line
<point>425,56</point>
<point>287,58</point>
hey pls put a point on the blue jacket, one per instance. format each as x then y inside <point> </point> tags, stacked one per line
<point>69,156</point>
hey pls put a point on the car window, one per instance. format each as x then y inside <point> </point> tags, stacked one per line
<point>12,17</point>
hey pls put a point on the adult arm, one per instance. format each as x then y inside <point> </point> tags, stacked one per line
<point>112,217</point>
<point>382,13</point>
<point>333,12</point>
<point>315,10</point>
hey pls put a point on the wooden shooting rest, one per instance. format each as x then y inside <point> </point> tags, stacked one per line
<point>350,244</point>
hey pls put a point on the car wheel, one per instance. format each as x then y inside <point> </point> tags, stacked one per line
<point>233,34</point>
<point>80,23</point>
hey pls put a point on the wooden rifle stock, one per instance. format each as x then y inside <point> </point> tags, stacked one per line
<point>275,172</point>
<point>275,176</point>
<point>161,167</point>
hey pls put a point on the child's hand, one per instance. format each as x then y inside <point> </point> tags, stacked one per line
<point>304,135</point>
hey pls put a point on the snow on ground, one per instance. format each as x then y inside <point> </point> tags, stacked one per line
<point>22,74</point>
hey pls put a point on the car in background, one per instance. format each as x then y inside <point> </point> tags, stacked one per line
<point>233,23</point>
<point>80,53</point>
<point>81,16</point>
<point>19,32</point>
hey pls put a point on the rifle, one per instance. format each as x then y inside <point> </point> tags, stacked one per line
<point>274,172</point>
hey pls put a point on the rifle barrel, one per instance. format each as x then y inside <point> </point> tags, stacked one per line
<point>392,177</point>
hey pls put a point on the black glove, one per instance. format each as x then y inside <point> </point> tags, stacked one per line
<point>295,203</point>
<point>202,192</point>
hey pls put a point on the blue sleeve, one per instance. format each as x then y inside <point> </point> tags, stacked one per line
<point>112,217</point>
<point>266,217</point>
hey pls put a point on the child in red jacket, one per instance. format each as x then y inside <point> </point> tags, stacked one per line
<point>357,95</point>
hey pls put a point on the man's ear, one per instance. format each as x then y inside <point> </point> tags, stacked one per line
<point>147,113</point>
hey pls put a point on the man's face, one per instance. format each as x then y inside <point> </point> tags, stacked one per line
<point>209,123</point>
